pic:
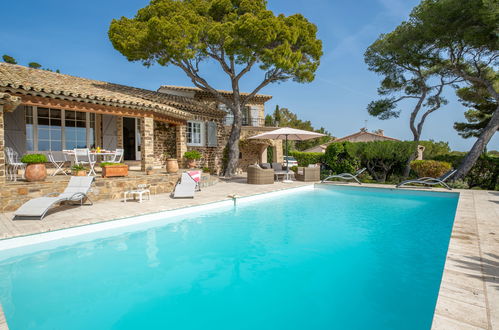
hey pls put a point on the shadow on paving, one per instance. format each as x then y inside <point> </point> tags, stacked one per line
<point>488,265</point>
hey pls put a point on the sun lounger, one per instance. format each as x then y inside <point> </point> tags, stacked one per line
<point>186,187</point>
<point>431,181</point>
<point>76,191</point>
<point>346,176</point>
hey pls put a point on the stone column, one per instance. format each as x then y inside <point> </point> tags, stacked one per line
<point>146,142</point>
<point>119,132</point>
<point>263,154</point>
<point>2,147</point>
<point>278,151</point>
<point>181,141</point>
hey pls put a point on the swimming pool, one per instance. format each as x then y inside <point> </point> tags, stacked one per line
<point>333,257</point>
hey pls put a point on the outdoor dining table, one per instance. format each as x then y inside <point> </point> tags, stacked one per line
<point>102,153</point>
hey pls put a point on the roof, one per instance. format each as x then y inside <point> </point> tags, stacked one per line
<point>201,92</point>
<point>376,137</point>
<point>24,80</point>
<point>360,133</point>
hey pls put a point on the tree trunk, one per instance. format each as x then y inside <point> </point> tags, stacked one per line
<point>479,146</point>
<point>233,144</point>
<point>407,168</point>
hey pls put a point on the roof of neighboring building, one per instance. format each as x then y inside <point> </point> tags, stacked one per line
<point>201,92</point>
<point>373,136</point>
<point>360,133</point>
<point>24,80</point>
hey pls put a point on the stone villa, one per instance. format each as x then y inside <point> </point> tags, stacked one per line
<point>42,111</point>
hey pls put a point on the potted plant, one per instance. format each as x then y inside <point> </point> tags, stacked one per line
<point>149,170</point>
<point>191,157</point>
<point>171,164</point>
<point>114,169</point>
<point>79,170</point>
<point>35,168</point>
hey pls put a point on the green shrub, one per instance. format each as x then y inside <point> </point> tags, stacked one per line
<point>430,168</point>
<point>206,170</point>
<point>484,174</point>
<point>340,158</point>
<point>193,154</point>
<point>306,158</point>
<point>111,164</point>
<point>382,158</point>
<point>34,159</point>
<point>77,167</point>
<point>294,168</point>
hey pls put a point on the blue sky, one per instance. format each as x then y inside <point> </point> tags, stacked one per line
<point>72,36</point>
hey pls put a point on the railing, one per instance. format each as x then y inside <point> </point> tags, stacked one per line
<point>254,122</point>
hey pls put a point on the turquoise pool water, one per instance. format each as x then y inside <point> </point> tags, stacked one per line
<point>328,258</point>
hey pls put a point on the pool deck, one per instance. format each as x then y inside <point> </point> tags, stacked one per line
<point>469,292</point>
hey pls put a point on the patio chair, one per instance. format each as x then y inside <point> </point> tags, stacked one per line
<point>83,157</point>
<point>308,174</point>
<point>58,160</point>
<point>258,175</point>
<point>76,191</point>
<point>118,156</point>
<point>13,163</point>
<point>345,176</point>
<point>185,187</point>
<point>196,175</point>
<point>431,181</point>
<point>265,166</point>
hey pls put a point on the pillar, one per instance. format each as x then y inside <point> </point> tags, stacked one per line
<point>278,151</point>
<point>263,154</point>
<point>2,147</point>
<point>181,141</point>
<point>119,132</point>
<point>146,143</point>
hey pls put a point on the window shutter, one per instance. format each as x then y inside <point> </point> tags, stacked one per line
<point>212,134</point>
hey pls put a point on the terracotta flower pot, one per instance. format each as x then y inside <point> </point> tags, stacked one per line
<point>172,165</point>
<point>80,173</point>
<point>35,172</point>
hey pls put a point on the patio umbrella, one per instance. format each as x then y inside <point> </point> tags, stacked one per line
<point>287,133</point>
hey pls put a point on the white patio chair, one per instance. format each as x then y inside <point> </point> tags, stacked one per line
<point>83,157</point>
<point>118,156</point>
<point>13,163</point>
<point>58,160</point>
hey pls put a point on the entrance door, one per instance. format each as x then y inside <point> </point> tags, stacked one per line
<point>131,138</point>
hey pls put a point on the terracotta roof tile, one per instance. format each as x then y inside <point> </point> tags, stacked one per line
<point>198,90</point>
<point>17,78</point>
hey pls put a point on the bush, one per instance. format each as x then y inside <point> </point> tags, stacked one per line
<point>430,168</point>
<point>340,158</point>
<point>78,168</point>
<point>111,164</point>
<point>193,154</point>
<point>484,174</point>
<point>382,158</point>
<point>306,158</point>
<point>34,159</point>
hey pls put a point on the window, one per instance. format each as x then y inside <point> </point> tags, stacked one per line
<point>54,129</point>
<point>195,130</point>
<point>49,129</point>
<point>75,130</point>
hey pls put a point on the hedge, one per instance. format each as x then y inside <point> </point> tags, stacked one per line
<point>430,168</point>
<point>307,158</point>
<point>484,174</point>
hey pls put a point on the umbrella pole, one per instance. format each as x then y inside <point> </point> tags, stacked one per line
<point>287,163</point>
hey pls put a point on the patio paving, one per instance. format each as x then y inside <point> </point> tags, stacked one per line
<point>469,292</point>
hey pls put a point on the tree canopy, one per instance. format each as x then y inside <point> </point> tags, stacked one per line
<point>236,34</point>
<point>9,59</point>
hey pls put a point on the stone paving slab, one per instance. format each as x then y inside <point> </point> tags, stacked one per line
<point>3,322</point>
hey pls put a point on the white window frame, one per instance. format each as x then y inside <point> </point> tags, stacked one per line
<point>63,128</point>
<point>202,132</point>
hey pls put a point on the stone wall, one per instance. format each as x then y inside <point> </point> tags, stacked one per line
<point>164,142</point>
<point>14,194</point>
<point>147,143</point>
<point>2,148</point>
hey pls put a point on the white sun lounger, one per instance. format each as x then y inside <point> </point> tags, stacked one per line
<point>346,176</point>
<point>76,191</point>
<point>431,181</point>
<point>185,188</point>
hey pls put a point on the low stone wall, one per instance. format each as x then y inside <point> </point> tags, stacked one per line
<point>14,194</point>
